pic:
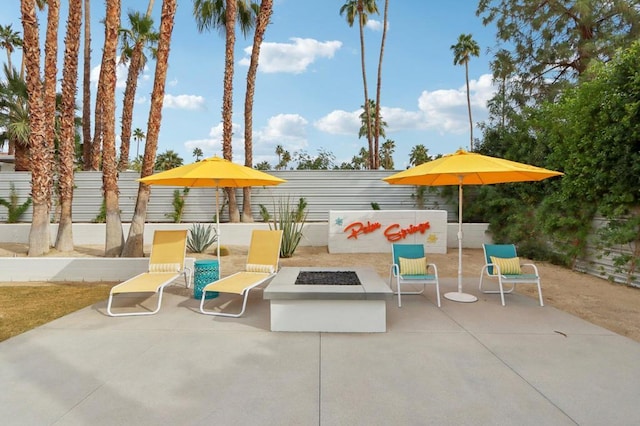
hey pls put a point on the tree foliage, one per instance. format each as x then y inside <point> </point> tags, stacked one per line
<point>554,41</point>
<point>594,134</point>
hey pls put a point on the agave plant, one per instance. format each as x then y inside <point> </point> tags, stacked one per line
<point>290,220</point>
<point>201,237</point>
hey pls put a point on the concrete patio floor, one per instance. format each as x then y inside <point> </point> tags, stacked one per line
<point>465,363</point>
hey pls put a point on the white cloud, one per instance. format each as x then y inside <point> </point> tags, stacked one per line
<point>443,110</point>
<point>288,130</point>
<point>340,122</point>
<point>213,144</point>
<point>189,102</point>
<point>374,25</point>
<point>292,57</point>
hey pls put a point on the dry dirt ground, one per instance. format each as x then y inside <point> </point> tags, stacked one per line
<point>612,306</point>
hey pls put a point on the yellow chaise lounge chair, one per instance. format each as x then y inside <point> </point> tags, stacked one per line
<point>262,265</point>
<point>166,263</point>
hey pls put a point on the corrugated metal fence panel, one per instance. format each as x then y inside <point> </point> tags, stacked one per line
<point>601,264</point>
<point>323,191</point>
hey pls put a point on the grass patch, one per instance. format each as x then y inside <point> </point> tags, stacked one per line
<point>23,308</point>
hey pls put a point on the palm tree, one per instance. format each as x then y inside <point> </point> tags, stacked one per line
<point>197,153</point>
<point>134,40</point>
<point>64,239</point>
<point>41,155</point>
<point>138,135</point>
<point>386,154</point>
<point>263,19</point>
<point>14,116</point>
<point>114,236</point>
<point>376,153</point>
<point>368,116</point>
<point>134,246</point>
<point>9,40</point>
<point>462,52</point>
<point>86,89</point>
<point>168,160</point>
<point>211,14</point>
<point>361,9</point>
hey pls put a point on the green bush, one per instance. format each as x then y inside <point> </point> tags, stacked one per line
<point>15,210</point>
<point>178,205</point>
<point>201,238</point>
<point>289,219</point>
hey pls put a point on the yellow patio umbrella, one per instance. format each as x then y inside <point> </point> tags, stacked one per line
<point>213,172</point>
<point>467,168</point>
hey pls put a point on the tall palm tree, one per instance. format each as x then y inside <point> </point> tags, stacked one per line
<point>210,14</point>
<point>134,246</point>
<point>9,40</point>
<point>262,21</point>
<point>463,50</point>
<point>138,135</point>
<point>64,239</point>
<point>50,74</point>
<point>41,176</point>
<point>86,89</point>
<point>376,153</point>
<point>134,40</point>
<point>114,237</point>
<point>361,9</point>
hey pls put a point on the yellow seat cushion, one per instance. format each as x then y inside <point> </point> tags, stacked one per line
<point>417,266</point>
<point>508,266</point>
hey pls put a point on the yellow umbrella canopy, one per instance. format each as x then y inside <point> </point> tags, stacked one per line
<point>468,168</point>
<point>213,172</point>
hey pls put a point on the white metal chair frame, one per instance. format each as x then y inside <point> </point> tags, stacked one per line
<point>507,251</point>
<point>411,251</point>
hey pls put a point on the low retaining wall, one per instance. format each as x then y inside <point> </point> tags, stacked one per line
<point>96,269</point>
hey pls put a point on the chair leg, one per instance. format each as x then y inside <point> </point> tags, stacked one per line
<point>127,314</point>
<point>224,314</point>
<point>540,293</point>
<point>438,293</point>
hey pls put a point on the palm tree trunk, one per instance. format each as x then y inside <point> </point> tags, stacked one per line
<point>64,239</point>
<point>466,68</point>
<point>376,156</point>
<point>364,83</point>
<point>86,89</point>
<point>114,237</point>
<point>227,102</point>
<point>264,16</point>
<point>134,246</point>
<point>41,155</point>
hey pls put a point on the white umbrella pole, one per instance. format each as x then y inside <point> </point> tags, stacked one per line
<point>459,296</point>
<point>218,233</point>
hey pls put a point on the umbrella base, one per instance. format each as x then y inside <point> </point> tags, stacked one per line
<point>458,296</point>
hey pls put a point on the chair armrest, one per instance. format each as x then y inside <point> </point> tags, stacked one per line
<point>532,266</point>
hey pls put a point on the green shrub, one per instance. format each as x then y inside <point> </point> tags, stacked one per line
<point>178,205</point>
<point>289,219</point>
<point>201,238</point>
<point>15,210</point>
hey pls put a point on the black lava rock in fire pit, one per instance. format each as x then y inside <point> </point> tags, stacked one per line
<point>327,278</point>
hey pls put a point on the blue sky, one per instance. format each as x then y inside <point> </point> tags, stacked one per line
<point>309,86</point>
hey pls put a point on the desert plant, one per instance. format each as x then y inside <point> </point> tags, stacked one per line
<point>288,219</point>
<point>102,214</point>
<point>201,238</point>
<point>178,205</point>
<point>15,210</point>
